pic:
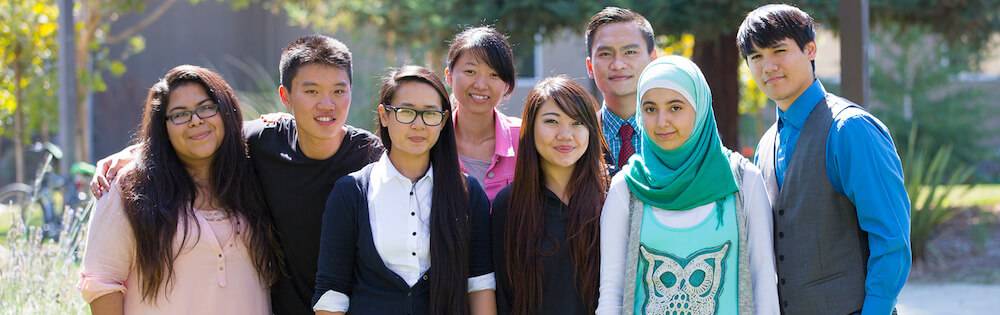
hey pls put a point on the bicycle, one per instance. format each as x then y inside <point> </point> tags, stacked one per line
<point>37,204</point>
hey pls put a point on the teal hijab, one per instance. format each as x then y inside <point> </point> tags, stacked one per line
<point>697,172</point>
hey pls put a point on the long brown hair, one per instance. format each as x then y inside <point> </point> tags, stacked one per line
<point>450,226</point>
<point>159,194</point>
<point>587,191</point>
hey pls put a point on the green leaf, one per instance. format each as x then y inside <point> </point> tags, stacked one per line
<point>137,44</point>
<point>117,68</point>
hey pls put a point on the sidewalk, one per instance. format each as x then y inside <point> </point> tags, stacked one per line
<point>949,299</point>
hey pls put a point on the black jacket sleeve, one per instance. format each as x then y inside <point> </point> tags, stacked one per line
<point>481,258</point>
<point>338,239</point>
<point>503,294</point>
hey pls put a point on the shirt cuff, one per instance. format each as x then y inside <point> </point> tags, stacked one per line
<point>484,282</point>
<point>92,287</point>
<point>877,306</point>
<point>332,301</point>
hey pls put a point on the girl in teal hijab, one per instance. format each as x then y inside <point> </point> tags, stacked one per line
<point>686,225</point>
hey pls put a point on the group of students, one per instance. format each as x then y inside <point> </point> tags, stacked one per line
<point>628,206</point>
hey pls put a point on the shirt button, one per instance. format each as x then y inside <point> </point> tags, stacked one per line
<point>414,233</point>
<point>425,277</point>
<point>411,193</point>
<point>414,253</point>
<point>490,175</point>
<point>413,213</point>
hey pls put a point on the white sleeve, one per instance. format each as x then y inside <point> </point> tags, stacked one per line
<point>760,243</point>
<point>614,239</point>
<point>484,282</point>
<point>332,301</point>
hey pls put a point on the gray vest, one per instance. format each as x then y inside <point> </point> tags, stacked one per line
<point>820,250</point>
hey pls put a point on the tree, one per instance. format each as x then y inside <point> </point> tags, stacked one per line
<point>917,82</point>
<point>27,43</point>
<point>93,40</point>
<point>422,27</point>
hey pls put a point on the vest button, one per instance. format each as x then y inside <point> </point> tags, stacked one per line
<point>781,258</point>
<point>781,234</point>
<point>781,212</point>
<point>782,281</point>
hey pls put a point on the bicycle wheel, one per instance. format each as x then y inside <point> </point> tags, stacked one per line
<point>14,198</point>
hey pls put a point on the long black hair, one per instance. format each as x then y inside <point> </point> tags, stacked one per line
<point>450,223</point>
<point>586,190</point>
<point>159,193</point>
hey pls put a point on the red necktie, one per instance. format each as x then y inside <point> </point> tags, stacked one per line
<point>625,134</point>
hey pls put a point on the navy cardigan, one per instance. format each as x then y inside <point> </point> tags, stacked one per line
<point>350,264</point>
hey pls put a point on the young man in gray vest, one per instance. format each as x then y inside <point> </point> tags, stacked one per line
<point>619,46</point>
<point>842,216</point>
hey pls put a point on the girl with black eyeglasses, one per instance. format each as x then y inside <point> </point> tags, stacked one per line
<point>408,234</point>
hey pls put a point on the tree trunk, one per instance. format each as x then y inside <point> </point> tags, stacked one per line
<point>18,120</point>
<point>719,60</point>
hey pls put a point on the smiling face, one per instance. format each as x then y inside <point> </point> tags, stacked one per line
<point>783,71</point>
<point>475,85</point>
<point>319,98</point>
<point>667,117</point>
<point>197,140</point>
<point>415,138</point>
<point>559,139</point>
<point>617,58</point>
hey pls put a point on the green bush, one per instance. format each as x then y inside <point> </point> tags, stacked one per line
<point>930,178</point>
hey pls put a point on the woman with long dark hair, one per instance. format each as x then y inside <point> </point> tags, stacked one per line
<point>545,224</point>
<point>481,75</point>
<point>185,229</point>
<point>408,234</point>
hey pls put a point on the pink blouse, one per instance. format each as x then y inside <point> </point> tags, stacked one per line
<point>213,274</point>
<point>500,173</point>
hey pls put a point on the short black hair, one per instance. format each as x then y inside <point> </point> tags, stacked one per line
<point>769,24</point>
<point>610,15</point>
<point>313,49</point>
<point>490,46</point>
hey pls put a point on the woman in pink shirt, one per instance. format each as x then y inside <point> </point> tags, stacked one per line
<point>184,231</point>
<point>481,74</point>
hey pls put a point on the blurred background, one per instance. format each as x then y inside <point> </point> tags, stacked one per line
<point>930,70</point>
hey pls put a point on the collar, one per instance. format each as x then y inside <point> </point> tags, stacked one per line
<point>803,105</point>
<point>384,172</point>
<point>610,118</point>
<point>505,138</point>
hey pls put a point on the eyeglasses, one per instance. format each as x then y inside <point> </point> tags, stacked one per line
<point>409,115</point>
<point>204,112</point>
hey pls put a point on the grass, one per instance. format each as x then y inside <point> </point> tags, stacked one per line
<point>37,276</point>
<point>981,196</point>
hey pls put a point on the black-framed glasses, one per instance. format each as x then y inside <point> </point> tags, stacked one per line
<point>203,111</point>
<point>409,115</point>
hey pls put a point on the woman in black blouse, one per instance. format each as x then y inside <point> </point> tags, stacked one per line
<point>408,234</point>
<point>545,224</point>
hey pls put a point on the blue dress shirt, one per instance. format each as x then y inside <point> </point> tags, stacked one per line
<point>862,164</point>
